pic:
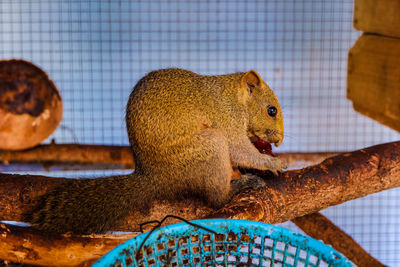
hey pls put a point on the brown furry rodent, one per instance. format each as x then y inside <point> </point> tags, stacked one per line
<point>187,133</point>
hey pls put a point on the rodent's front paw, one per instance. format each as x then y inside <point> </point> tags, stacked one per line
<point>276,165</point>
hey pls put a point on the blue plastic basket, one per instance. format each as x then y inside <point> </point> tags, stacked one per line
<point>237,243</point>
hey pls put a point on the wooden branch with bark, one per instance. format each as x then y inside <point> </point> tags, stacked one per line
<point>319,227</point>
<point>100,156</point>
<point>295,193</point>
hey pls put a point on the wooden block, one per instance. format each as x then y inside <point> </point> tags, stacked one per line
<point>377,16</point>
<point>373,78</point>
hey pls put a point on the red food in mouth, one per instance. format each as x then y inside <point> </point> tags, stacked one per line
<point>263,147</point>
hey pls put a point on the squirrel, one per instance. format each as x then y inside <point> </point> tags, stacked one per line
<point>187,133</point>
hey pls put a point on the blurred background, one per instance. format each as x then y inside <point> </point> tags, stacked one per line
<point>95,52</point>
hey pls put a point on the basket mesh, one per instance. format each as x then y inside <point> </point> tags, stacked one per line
<point>235,243</point>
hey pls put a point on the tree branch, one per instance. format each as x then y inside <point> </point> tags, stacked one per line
<point>293,194</point>
<point>115,155</point>
<point>336,180</point>
<point>20,244</point>
<point>84,154</point>
<point>319,227</point>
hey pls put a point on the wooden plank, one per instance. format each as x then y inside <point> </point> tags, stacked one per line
<point>373,78</point>
<point>377,16</point>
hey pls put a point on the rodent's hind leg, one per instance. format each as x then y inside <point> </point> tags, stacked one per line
<point>246,181</point>
<point>216,172</point>
<point>200,166</point>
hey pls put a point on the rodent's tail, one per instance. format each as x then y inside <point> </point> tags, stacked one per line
<point>85,206</point>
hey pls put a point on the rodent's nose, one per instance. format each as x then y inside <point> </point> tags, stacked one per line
<point>280,139</point>
<point>274,137</point>
<point>279,142</point>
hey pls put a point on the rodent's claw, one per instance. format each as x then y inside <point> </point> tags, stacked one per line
<point>276,164</point>
<point>275,172</point>
<point>284,164</point>
<point>279,166</point>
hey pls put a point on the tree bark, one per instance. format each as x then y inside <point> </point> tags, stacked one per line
<point>293,194</point>
<point>99,156</point>
<point>336,180</point>
<point>84,154</point>
<point>28,246</point>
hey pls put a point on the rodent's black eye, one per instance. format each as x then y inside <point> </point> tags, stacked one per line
<point>272,111</point>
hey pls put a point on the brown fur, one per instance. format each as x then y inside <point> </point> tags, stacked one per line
<point>187,131</point>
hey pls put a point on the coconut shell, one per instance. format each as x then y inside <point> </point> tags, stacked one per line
<point>30,105</point>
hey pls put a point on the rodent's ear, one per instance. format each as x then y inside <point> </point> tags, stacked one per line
<point>252,79</point>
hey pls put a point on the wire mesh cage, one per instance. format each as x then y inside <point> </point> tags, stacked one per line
<point>225,242</point>
<point>95,51</point>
